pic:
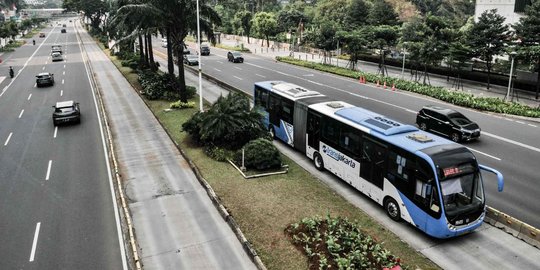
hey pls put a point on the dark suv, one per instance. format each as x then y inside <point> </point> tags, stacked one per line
<point>447,122</point>
<point>66,111</point>
<point>235,57</point>
<point>44,78</point>
<point>205,49</point>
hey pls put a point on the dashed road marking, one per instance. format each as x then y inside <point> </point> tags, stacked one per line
<point>217,70</point>
<point>487,155</point>
<point>55,131</point>
<point>61,92</point>
<point>238,78</point>
<point>48,170</point>
<point>29,96</point>
<point>34,243</point>
<point>20,114</point>
<point>260,75</point>
<point>7,140</point>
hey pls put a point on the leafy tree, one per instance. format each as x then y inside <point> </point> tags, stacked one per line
<point>383,38</point>
<point>332,10</point>
<point>228,123</point>
<point>355,42</point>
<point>487,37</point>
<point>94,10</point>
<point>266,25</point>
<point>358,13</point>
<point>245,18</point>
<point>324,38</point>
<point>382,13</point>
<point>528,35</point>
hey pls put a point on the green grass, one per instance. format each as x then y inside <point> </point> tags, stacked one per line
<point>264,207</point>
<point>233,48</point>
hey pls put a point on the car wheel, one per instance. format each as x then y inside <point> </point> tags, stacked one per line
<point>318,161</point>
<point>455,137</point>
<point>423,126</point>
<point>392,209</point>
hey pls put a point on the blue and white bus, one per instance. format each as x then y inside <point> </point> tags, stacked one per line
<point>428,181</point>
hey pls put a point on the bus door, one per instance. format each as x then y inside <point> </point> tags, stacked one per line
<point>274,107</point>
<point>373,162</point>
<point>314,130</point>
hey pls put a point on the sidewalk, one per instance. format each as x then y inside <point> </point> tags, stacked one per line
<point>473,87</point>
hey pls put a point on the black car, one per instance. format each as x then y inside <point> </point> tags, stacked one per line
<point>41,35</point>
<point>45,78</point>
<point>235,57</point>
<point>205,49</point>
<point>191,59</point>
<point>447,122</point>
<point>63,31</point>
<point>65,112</point>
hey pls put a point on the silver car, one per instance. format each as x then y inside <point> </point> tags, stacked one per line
<point>56,56</point>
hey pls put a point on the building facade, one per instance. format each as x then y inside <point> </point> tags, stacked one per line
<point>512,10</point>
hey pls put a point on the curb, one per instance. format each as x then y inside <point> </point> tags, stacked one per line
<point>112,156</point>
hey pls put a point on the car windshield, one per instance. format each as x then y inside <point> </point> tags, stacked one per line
<point>459,119</point>
<point>236,54</point>
<point>43,76</point>
<point>192,57</point>
<point>64,109</point>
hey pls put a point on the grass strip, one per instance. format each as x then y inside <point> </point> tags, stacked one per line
<point>264,207</point>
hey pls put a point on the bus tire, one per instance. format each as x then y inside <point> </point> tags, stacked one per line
<point>318,161</point>
<point>392,209</point>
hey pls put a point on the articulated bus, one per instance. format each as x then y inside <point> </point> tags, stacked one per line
<point>428,181</point>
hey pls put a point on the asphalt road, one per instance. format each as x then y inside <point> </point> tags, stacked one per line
<point>56,205</point>
<point>508,144</point>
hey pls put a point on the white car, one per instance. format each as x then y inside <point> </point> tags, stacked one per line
<point>56,56</point>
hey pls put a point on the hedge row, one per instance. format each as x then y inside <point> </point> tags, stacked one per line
<point>458,98</point>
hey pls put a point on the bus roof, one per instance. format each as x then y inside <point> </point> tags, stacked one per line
<point>406,136</point>
<point>289,90</point>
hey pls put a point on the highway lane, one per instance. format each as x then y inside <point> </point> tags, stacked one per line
<point>508,144</point>
<point>56,209</point>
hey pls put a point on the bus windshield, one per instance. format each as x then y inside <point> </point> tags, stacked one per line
<point>462,194</point>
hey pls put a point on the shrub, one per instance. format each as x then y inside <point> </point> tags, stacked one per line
<point>219,154</point>
<point>336,243</point>
<point>182,105</point>
<point>259,154</point>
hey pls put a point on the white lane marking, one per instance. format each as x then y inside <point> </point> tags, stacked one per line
<point>314,82</point>
<point>217,69</point>
<point>43,68</point>
<point>308,75</point>
<point>411,111</point>
<point>238,78</point>
<point>508,119</point>
<point>238,68</point>
<point>20,114</point>
<point>64,66</point>
<point>512,141</point>
<point>46,62</point>
<point>48,170</point>
<point>260,75</point>
<point>5,88</point>
<point>7,140</point>
<point>488,155</point>
<point>64,73</point>
<point>61,92</point>
<point>219,62</point>
<point>62,81</point>
<point>107,162</point>
<point>521,122</point>
<point>531,125</point>
<point>34,243</point>
<point>55,131</point>
<point>29,96</point>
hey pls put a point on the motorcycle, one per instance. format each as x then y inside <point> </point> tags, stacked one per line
<point>11,72</point>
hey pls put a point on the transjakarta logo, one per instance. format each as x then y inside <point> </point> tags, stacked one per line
<point>338,156</point>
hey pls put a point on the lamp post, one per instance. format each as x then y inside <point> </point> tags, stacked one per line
<point>512,55</point>
<point>200,64</point>
<point>403,66</point>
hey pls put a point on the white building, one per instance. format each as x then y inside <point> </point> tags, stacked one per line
<point>512,10</point>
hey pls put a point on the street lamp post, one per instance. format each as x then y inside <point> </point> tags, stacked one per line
<point>403,66</point>
<point>512,55</point>
<point>200,64</point>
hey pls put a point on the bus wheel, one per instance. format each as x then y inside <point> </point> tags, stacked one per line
<point>318,161</point>
<point>392,209</point>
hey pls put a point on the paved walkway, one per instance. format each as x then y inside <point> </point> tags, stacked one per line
<point>473,87</point>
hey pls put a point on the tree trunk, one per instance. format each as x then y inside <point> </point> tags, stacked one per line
<point>146,52</point>
<point>170,61</point>
<point>153,65</point>
<point>181,82</point>
<point>537,78</point>
<point>488,65</point>
<point>267,41</point>
<point>141,51</point>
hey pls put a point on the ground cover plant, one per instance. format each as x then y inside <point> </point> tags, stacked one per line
<point>455,97</point>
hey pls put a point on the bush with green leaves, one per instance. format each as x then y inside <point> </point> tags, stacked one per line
<point>259,154</point>
<point>218,153</point>
<point>229,123</point>
<point>336,243</point>
<point>158,85</point>
<point>455,97</point>
<point>182,105</point>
